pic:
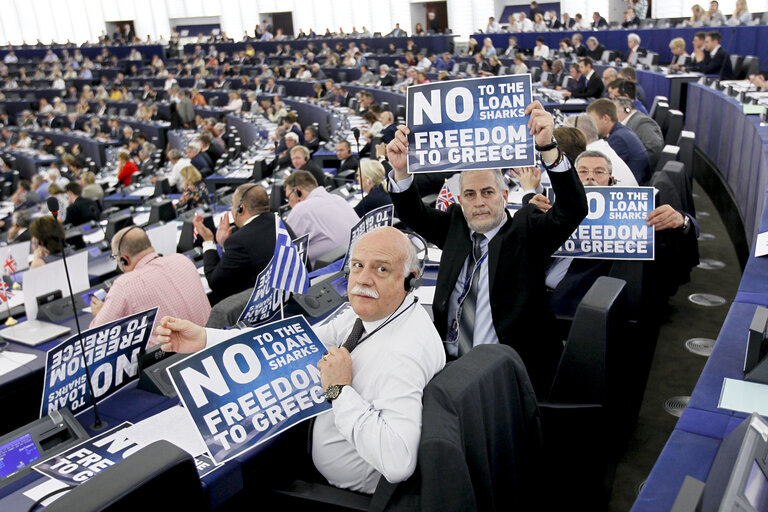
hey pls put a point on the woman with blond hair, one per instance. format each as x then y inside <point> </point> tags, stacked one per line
<point>194,192</point>
<point>741,14</point>
<point>370,177</point>
<point>697,17</point>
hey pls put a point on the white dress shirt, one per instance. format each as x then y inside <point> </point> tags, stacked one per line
<point>374,426</point>
<point>174,178</point>
<point>541,52</point>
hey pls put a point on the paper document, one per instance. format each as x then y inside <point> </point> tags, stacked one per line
<point>426,294</point>
<point>761,245</point>
<point>173,425</point>
<point>10,361</point>
<point>743,396</point>
<point>47,487</point>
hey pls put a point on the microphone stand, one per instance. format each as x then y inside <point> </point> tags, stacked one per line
<point>356,133</point>
<point>97,423</point>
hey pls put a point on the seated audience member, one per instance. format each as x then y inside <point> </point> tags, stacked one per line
<point>598,22</point>
<point>646,129</point>
<point>697,17</point>
<point>194,192</point>
<point>25,197</point>
<point>246,251</point>
<point>57,191</point>
<point>47,234</point>
<point>200,160</point>
<point>571,278</point>
<point>596,49</point>
<point>328,218</point>
<point>635,50</point>
<point>512,48</point>
<point>587,126</point>
<point>623,140</point>
<point>91,190</point>
<point>679,55</point>
<point>541,50</point>
<point>371,180</point>
<point>629,73</point>
<point>714,16</point>
<point>177,164</point>
<point>375,424</point>
<point>80,209</point>
<point>300,160</point>
<point>593,87</point>
<point>717,61</point>
<point>311,138</point>
<point>19,229</point>
<point>347,160</point>
<point>609,76</point>
<point>210,146</point>
<point>741,14</point>
<point>127,168</point>
<point>518,247</point>
<point>169,282</point>
<point>520,68</point>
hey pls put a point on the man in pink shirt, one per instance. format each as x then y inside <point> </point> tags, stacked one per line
<point>169,282</point>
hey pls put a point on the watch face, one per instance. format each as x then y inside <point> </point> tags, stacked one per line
<point>332,393</point>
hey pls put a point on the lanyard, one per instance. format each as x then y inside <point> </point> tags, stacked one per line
<point>468,282</point>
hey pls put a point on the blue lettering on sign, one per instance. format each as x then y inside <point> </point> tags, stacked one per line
<point>381,216</point>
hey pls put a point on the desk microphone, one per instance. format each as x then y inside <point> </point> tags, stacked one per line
<point>53,207</point>
<point>356,134</point>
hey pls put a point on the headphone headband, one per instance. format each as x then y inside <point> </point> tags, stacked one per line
<point>122,259</point>
<point>240,206</point>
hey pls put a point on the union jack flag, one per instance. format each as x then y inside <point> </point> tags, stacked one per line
<point>288,270</point>
<point>445,198</point>
<point>10,265</point>
<point>5,292</point>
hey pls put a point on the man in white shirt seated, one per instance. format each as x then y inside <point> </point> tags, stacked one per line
<point>493,27</point>
<point>540,51</point>
<point>389,351</point>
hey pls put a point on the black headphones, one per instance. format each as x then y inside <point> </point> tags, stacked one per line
<point>240,206</point>
<point>411,281</point>
<point>122,260</point>
<point>297,191</point>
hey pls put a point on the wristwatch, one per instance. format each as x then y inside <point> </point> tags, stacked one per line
<point>686,223</point>
<point>333,392</point>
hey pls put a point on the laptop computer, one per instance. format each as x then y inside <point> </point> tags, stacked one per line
<point>34,332</point>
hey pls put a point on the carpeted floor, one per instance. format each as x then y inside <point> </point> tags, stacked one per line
<point>675,370</point>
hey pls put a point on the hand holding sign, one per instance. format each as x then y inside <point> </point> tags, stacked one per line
<point>335,368</point>
<point>530,177</point>
<point>182,336</point>
<point>665,217</point>
<point>397,152</point>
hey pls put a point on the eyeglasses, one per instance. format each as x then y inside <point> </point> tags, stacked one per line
<point>597,173</point>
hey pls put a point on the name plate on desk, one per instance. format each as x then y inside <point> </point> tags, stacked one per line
<point>112,352</point>
<point>477,123</point>
<point>615,227</point>
<point>245,390</point>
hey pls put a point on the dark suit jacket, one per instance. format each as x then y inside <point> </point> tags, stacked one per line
<point>374,199</point>
<point>387,80</point>
<point>388,133</point>
<point>600,23</point>
<point>593,89</point>
<point>25,236</point>
<point>202,163</point>
<point>581,50</point>
<point>518,257</point>
<point>597,53</point>
<point>579,84</point>
<point>316,171</point>
<point>630,148</point>
<point>246,252</point>
<point>349,163</point>
<point>83,210</point>
<point>214,152</point>
<point>720,64</point>
<point>312,145</point>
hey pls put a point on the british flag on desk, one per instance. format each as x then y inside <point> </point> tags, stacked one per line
<point>9,267</point>
<point>5,292</point>
<point>445,198</point>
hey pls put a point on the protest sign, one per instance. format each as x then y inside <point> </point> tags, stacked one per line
<point>381,216</point>
<point>264,302</point>
<point>477,123</point>
<point>111,351</point>
<point>247,389</point>
<point>84,461</point>
<point>615,227</point>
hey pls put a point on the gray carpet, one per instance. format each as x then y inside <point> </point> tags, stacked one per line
<point>675,370</point>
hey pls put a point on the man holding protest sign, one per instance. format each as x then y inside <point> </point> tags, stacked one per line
<point>571,278</point>
<point>382,353</point>
<point>490,286</point>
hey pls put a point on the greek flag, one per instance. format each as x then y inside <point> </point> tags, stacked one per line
<point>288,270</point>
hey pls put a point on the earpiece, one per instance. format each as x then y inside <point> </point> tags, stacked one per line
<point>122,260</point>
<point>611,180</point>
<point>240,208</point>
<point>298,193</point>
<point>411,282</point>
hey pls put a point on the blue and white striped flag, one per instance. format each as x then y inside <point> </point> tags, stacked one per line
<point>288,270</point>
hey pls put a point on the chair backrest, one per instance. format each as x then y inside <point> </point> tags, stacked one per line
<point>674,187</point>
<point>225,313</point>
<point>674,126</point>
<point>146,479</point>
<point>668,153</point>
<point>480,419</point>
<point>685,155</point>
<point>583,375</point>
<point>655,103</point>
<point>660,114</point>
<point>750,66</point>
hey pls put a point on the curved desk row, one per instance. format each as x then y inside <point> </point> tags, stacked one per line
<point>736,40</point>
<point>737,144</point>
<point>146,50</point>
